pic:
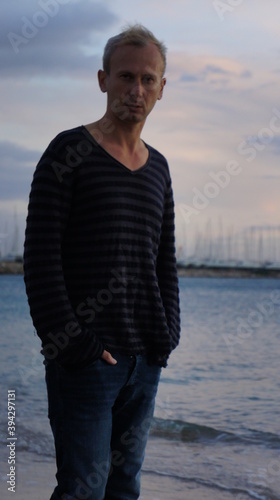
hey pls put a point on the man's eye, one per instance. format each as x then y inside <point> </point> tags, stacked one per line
<point>148,79</point>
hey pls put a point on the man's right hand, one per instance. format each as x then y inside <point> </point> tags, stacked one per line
<point>106,356</point>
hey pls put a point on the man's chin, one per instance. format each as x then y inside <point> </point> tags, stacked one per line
<point>133,117</point>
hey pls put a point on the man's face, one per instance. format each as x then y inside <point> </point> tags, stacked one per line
<point>135,82</point>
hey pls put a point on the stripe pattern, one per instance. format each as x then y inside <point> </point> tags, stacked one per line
<point>99,254</point>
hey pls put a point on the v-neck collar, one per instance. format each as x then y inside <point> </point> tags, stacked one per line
<point>132,172</point>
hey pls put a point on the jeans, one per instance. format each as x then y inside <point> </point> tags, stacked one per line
<point>100,418</point>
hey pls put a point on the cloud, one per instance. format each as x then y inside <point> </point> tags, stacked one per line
<point>44,61</point>
<point>16,170</point>
<point>221,72</point>
<point>222,89</point>
<point>51,36</point>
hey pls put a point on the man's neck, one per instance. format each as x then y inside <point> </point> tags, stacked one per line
<point>116,131</point>
<point>121,140</point>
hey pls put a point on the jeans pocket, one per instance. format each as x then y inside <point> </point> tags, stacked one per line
<point>75,369</point>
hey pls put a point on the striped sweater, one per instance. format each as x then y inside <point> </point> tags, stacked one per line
<point>99,254</point>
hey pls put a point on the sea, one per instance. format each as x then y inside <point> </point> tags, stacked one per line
<point>217,415</point>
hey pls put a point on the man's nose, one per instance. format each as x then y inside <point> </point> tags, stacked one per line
<point>137,89</point>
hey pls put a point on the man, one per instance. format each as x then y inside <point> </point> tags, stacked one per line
<point>100,274</point>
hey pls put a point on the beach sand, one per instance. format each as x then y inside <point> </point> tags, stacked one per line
<point>35,480</point>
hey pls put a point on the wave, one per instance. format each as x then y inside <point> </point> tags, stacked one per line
<point>41,443</point>
<point>33,441</point>
<point>190,432</point>
<point>264,494</point>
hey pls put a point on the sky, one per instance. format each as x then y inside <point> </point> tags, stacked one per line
<point>218,123</point>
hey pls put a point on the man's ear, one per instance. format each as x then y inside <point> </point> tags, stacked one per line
<point>163,83</point>
<point>102,79</point>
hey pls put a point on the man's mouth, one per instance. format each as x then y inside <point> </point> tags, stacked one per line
<point>132,105</point>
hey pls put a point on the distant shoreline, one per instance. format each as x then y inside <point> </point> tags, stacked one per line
<point>189,271</point>
<point>10,267</point>
<point>228,272</point>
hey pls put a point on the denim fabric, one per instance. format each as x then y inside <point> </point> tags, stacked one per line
<point>100,417</point>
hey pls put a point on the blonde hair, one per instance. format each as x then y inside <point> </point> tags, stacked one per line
<point>136,35</point>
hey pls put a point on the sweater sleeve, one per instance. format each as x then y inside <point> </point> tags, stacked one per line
<point>167,270</point>
<point>63,338</point>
